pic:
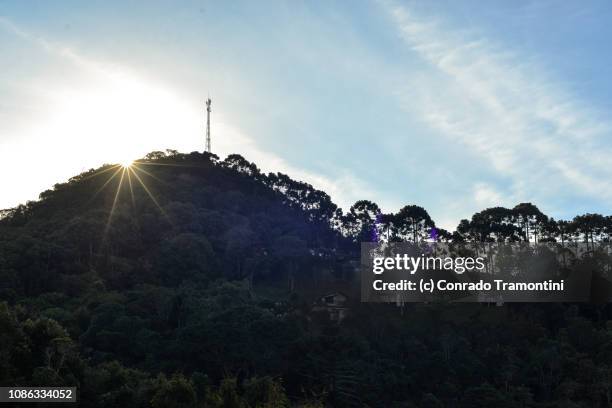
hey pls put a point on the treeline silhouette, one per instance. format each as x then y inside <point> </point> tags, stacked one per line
<point>189,281</point>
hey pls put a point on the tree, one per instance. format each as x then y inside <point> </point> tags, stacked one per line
<point>530,219</point>
<point>429,400</point>
<point>413,223</point>
<point>240,246</point>
<point>589,227</point>
<point>484,396</point>
<point>228,392</point>
<point>265,392</point>
<point>492,224</point>
<point>185,255</point>
<point>155,155</point>
<point>241,165</point>
<point>363,221</point>
<point>289,250</point>
<point>178,392</point>
<point>386,223</point>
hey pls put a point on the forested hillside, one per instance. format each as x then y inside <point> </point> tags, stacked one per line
<point>189,281</point>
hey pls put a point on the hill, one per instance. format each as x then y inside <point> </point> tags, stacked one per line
<point>186,280</point>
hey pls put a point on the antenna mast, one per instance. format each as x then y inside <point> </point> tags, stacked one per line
<point>208,103</point>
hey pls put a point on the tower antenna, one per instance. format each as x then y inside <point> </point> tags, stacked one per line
<point>208,103</point>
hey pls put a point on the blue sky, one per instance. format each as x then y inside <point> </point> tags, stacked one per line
<point>453,105</point>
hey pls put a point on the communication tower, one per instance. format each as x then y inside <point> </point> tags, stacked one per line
<point>208,103</point>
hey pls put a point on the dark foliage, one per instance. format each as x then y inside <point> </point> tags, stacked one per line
<point>187,281</point>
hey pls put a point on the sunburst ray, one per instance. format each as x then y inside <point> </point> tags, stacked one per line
<point>135,167</point>
<point>100,172</point>
<point>112,211</point>
<point>146,189</point>
<point>129,172</point>
<point>98,191</point>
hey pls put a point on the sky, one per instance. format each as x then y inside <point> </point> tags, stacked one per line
<point>452,105</point>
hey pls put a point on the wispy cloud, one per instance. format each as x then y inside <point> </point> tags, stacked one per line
<point>10,27</point>
<point>507,108</point>
<point>486,195</point>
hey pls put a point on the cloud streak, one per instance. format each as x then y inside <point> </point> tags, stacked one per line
<point>506,108</point>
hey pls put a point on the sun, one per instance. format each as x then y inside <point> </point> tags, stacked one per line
<point>115,115</point>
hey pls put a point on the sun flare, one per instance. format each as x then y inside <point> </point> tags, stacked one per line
<point>116,116</point>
